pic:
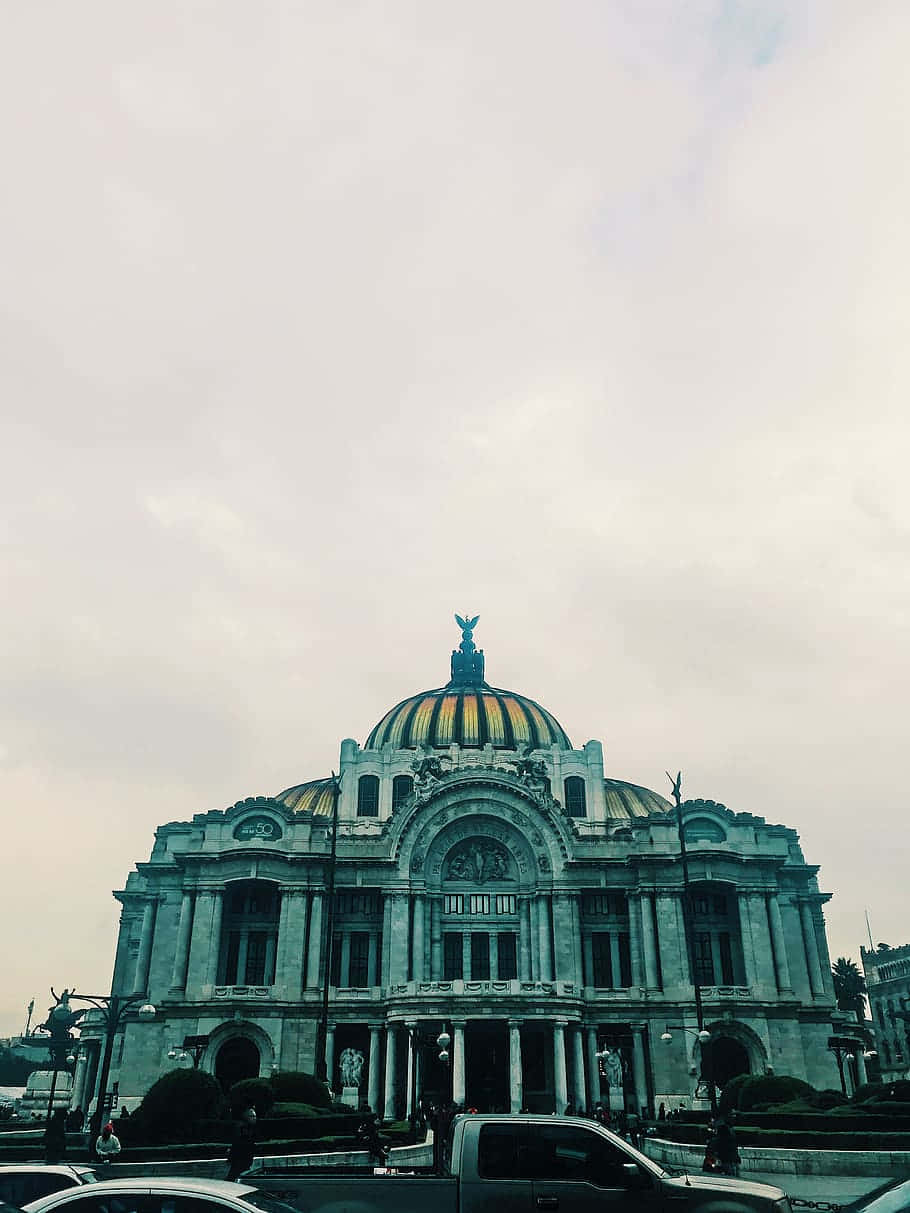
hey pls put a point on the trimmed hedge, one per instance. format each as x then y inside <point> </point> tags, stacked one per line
<point>295,1086</point>
<point>174,1105</point>
<point>768,1089</point>
<point>252,1093</point>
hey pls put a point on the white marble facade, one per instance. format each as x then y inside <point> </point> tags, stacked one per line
<point>489,880</point>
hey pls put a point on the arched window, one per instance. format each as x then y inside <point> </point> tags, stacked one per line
<point>402,787</point>
<point>249,934</point>
<point>704,829</point>
<point>368,796</point>
<point>576,805</point>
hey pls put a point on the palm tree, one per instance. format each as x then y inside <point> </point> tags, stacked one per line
<point>849,987</point>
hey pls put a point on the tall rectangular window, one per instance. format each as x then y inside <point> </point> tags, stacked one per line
<point>704,959</point>
<point>451,955</point>
<point>335,971</point>
<point>402,787</point>
<point>601,960</point>
<point>507,955</point>
<point>368,796</point>
<point>625,962</point>
<point>506,903</point>
<point>480,956</point>
<point>255,959</point>
<point>575,797</point>
<point>233,951</point>
<point>453,903</point>
<point>480,903</point>
<point>726,958</point>
<point>360,958</point>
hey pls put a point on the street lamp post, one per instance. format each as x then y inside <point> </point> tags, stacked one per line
<point>328,936</point>
<point>706,1075</point>
<point>844,1049</point>
<point>703,1036</point>
<point>441,1042</point>
<point>195,1045</point>
<point>114,1009</point>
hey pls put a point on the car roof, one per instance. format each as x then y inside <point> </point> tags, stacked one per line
<point>63,1168</point>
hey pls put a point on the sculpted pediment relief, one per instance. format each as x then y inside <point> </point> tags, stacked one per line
<point>478,860</point>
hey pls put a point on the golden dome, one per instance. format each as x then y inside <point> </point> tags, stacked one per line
<point>625,800</point>
<point>313,797</point>
<point>469,716</point>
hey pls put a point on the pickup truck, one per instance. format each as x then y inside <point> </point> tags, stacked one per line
<point>523,1164</point>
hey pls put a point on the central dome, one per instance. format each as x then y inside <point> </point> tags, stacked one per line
<point>468,712</point>
<point>470,717</point>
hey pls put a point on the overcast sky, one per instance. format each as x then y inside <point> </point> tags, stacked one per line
<point>322,321</point>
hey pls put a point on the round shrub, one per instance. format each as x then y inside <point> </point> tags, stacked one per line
<point>828,1099</point>
<point>252,1093</point>
<point>869,1090</point>
<point>729,1096</point>
<point>300,1110</point>
<point>765,1090</point>
<point>294,1086</point>
<point>177,1102</point>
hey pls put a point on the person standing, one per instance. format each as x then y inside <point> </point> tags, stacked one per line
<point>55,1137</point>
<point>242,1150</point>
<point>107,1145</point>
<point>725,1148</point>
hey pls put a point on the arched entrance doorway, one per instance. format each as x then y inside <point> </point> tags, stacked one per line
<point>237,1058</point>
<point>729,1059</point>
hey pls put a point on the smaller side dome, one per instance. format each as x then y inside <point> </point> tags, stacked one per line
<point>314,797</point>
<point>625,800</point>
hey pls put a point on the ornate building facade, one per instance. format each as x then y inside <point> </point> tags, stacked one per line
<point>491,880</point>
<point>887,972</point>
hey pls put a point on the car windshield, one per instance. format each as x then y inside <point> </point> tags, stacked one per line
<point>268,1204</point>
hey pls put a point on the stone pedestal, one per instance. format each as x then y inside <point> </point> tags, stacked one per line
<point>350,1097</point>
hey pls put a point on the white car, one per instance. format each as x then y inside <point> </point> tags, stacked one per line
<point>151,1194</point>
<point>25,1181</point>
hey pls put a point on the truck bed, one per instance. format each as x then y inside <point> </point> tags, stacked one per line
<point>358,1190</point>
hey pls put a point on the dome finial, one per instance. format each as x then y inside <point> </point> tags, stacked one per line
<point>467,660</point>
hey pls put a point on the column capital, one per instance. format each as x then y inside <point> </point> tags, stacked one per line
<point>514,1023</point>
<point>560,1023</point>
<point>458,1023</point>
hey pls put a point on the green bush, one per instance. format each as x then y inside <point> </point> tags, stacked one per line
<point>282,1110</point>
<point>176,1103</point>
<point>768,1089</point>
<point>252,1093</point>
<point>295,1086</point>
<point>869,1090</point>
<point>729,1096</point>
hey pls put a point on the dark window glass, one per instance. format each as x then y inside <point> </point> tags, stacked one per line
<point>497,1151</point>
<point>601,960</point>
<point>335,970</point>
<point>507,956</point>
<point>402,787</point>
<point>480,957</point>
<point>573,1154</point>
<point>360,959</point>
<point>726,958</point>
<point>255,959</point>
<point>368,796</point>
<point>233,951</point>
<point>704,959</point>
<point>576,805</point>
<point>452,953</point>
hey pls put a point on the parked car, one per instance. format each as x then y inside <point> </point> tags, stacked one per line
<point>521,1164</point>
<point>148,1194</point>
<point>892,1197</point>
<point>22,1182</point>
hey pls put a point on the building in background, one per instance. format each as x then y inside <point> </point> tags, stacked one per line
<point>887,973</point>
<point>492,880</point>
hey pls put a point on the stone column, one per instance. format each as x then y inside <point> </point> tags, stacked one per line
<point>564,939</point>
<point>861,1075</point>
<point>79,1081</point>
<point>410,1076</point>
<point>373,1070</point>
<point>458,1067</point>
<point>515,1071</point>
<point>593,1069</point>
<point>671,941</point>
<point>560,1084</point>
<point>373,963</point>
<point>639,1072</point>
<point>281,951</point>
<point>635,954</point>
<point>144,959</point>
<point>745,934</point>
<point>398,959</point>
<point>417,958</point>
<point>391,1040</point>
<point>816,981</point>
<point>649,946</point>
<point>436,939</point>
<point>576,941</point>
<point>781,966</point>
<point>543,927</point>
<point>524,938</point>
<point>615,963</point>
<point>314,959</point>
<point>182,950</point>
<point>494,956</point>
<point>330,1055</point>
<point>201,943</point>
<point>270,976</point>
<point>466,973</point>
<point>387,939</point>
<point>588,966</point>
<point>761,940</point>
<point>215,938</point>
<point>344,968</point>
<point>578,1068</point>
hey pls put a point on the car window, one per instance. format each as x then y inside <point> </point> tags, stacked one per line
<point>572,1153</point>
<point>497,1151</point>
<point>161,1203</point>
<point>15,1189</point>
<point>122,1202</point>
<point>267,1203</point>
<point>43,1185</point>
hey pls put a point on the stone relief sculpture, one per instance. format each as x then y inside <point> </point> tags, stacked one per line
<point>478,860</point>
<point>351,1062</point>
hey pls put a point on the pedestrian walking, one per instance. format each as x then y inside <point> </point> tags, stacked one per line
<point>107,1145</point>
<point>242,1148</point>
<point>368,1136</point>
<point>725,1150</point>
<point>55,1137</point>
